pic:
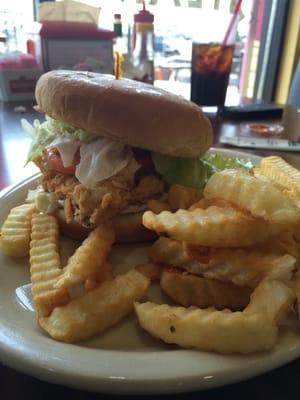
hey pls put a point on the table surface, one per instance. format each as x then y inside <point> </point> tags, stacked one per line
<point>14,144</point>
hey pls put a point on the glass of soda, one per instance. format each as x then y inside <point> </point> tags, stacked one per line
<point>211,65</point>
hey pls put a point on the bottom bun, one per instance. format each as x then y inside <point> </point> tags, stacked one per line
<point>128,228</point>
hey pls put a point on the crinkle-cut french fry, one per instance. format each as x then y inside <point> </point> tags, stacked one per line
<point>157,206</point>
<point>284,243</point>
<point>208,330</point>
<point>199,253</point>
<point>202,203</point>
<point>45,265</point>
<point>104,273</point>
<point>261,199</point>
<point>220,331</point>
<point>97,310</point>
<point>240,266</point>
<point>182,197</point>
<point>191,290</point>
<point>150,270</point>
<point>88,257</point>
<point>281,245</point>
<point>282,173</point>
<point>205,203</point>
<point>212,227</point>
<point>292,194</point>
<point>15,232</point>
<point>256,171</point>
<point>271,298</point>
<point>244,267</point>
<point>168,251</point>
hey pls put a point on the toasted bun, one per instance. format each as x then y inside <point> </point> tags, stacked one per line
<point>132,112</point>
<point>128,228</point>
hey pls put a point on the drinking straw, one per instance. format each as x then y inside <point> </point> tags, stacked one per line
<point>232,21</point>
<point>118,65</point>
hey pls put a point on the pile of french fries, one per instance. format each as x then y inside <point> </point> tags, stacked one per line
<point>83,298</point>
<point>227,257</point>
<point>231,262</point>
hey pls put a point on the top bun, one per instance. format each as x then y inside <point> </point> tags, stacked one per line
<point>132,112</point>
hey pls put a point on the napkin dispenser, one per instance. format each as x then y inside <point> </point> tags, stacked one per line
<point>76,45</point>
<point>19,74</point>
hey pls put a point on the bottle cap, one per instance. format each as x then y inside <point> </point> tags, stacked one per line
<point>144,16</point>
<point>118,25</point>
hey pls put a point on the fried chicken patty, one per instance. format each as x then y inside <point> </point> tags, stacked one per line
<point>110,197</point>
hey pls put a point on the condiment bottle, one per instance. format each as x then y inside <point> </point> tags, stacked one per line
<point>120,43</point>
<point>118,25</point>
<point>143,52</point>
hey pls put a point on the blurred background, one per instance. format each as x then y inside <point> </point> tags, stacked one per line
<point>35,36</point>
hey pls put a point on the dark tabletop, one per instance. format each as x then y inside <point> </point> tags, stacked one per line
<point>281,383</point>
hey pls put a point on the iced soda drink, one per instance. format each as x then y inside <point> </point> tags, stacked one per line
<point>211,64</point>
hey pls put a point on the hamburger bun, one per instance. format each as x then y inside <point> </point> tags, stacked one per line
<point>128,228</point>
<point>132,112</point>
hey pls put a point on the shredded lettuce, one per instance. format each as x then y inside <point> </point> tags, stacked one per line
<point>221,162</point>
<point>195,172</point>
<point>42,134</point>
<point>60,128</point>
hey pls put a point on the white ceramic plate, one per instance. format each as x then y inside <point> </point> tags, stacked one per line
<point>125,359</point>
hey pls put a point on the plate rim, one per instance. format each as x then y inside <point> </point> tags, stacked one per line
<point>29,362</point>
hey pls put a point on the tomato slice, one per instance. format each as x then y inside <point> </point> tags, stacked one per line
<point>55,163</point>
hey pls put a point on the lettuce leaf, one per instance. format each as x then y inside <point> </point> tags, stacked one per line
<point>195,172</point>
<point>42,134</point>
<point>61,128</point>
<point>221,162</point>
